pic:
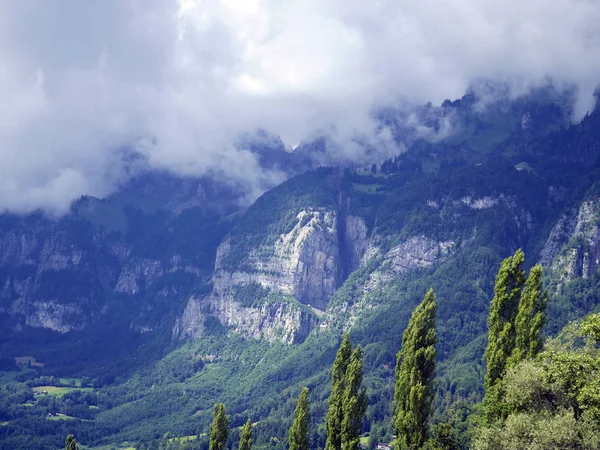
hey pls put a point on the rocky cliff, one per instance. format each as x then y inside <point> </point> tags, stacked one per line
<point>573,248</point>
<point>303,268</point>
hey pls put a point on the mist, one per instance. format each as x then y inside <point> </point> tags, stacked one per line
<point>86,84</point>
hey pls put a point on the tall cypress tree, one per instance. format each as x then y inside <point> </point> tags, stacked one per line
<point>415,369</point>
<point>335,413</point>
<point>354,402</point>
<point>503,312</point>
<point>514,326</point>
<point>299,431</point>
<point>246,436</point>
<point>530,317</point>
<point>71,443</point>
<point>219,429</point>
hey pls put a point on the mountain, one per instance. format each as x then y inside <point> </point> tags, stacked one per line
<point>172,295</point>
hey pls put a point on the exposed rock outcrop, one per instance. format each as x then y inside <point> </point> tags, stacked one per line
<point>573,247</point>
<point>304,265</point>
<point>286,321</point>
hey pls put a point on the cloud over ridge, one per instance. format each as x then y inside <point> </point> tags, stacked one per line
<point>85,83</point>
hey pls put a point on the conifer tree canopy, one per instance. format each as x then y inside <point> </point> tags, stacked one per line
<point>219,429</point>
<point>299,431</point>
<point>347,403</point>
<point>530,317</point>
<point>515,324</point>
<point>246,436</point>
<point>71,443</point>
<point>414,376</point>
<point>335,413</point>
<point>354,401</point>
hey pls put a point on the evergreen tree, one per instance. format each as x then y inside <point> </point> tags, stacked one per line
<point>246,436</point>
<point>71,443</point>
<point>219,429</point>
<point>335,413</point>
<point>299,431</point>
<point>530,318</point>
<point>354,402</point>
<point>501,328</point>
<point>414,376</point>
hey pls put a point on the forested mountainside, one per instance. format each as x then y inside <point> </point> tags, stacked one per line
<point>143,310</point>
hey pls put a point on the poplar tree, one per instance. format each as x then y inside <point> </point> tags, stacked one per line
<point>219,429</point>
<point>246,436</point>
<point>415,369</point>
<point>335,413</point>
<point>71,443</point>
<point>347,402</point>
<point>501,328</point>
<point>530,317</point>
<point>354,402</point>
<point>299,431</point>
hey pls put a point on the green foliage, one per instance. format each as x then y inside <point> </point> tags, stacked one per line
<point>354,402</point>
<point>71,443</point>
<point>335,413</point>
<point>414,376</point>
<point>552,401</point>
<point>298,435</point>
<point>501,326</point>
<point>530,317</point>
<point>517,315</point>
<point>347,402</point>
<point>219,429</point>
<point>503,312</point>
<point>590,327</point>
<point>246,436</point>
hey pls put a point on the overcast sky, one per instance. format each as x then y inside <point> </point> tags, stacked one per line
<point>83,81</point>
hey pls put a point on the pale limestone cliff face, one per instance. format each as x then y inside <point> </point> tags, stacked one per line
<point>573,247</point>
<point>271,321</point>
<point>479,203</point>
<point>56,316</point>
<point>305,264</point>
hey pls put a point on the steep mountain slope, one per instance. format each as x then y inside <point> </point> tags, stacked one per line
<point>245,308</point>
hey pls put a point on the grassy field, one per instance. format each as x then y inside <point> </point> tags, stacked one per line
<point>59,416</point>
<point>57,391</point>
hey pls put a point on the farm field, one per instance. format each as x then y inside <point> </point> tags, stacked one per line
<point>58,391</point>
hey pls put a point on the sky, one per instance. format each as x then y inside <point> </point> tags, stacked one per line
<point>84,85</point>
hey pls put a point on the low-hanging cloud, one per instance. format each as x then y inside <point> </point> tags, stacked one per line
<point>84,84</point>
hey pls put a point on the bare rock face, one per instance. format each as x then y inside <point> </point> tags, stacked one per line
<point>56,316</point>
<point>284,321</point>
<point>38,261</point>
<point>304,265</point>
<point>573,247</point>
<point>356,240</point>
<point>55,279</point>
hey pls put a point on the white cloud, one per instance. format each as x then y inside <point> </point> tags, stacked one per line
<point>176,80</point>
